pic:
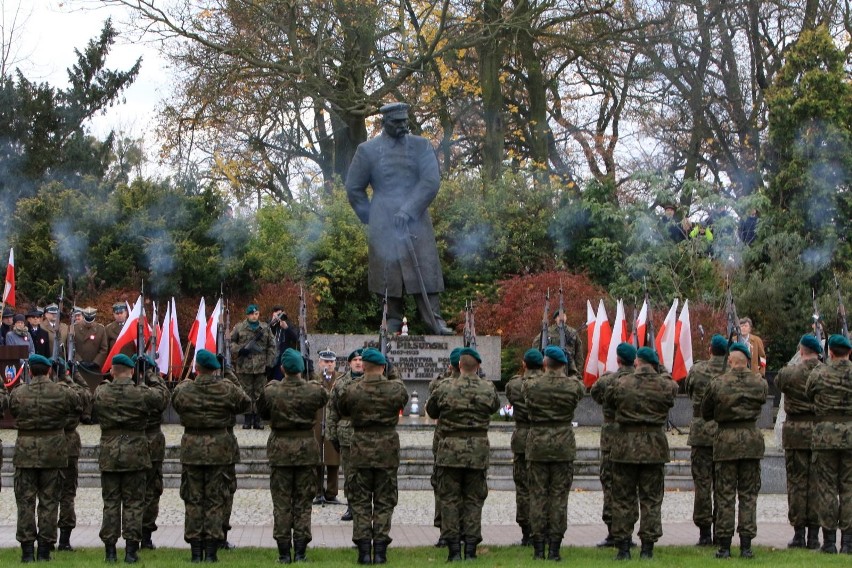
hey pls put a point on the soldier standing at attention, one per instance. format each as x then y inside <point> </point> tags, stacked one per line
<point>339,428</point>
<point>573,344</point>
<point>734,401</point>
<point>157,451</point>
<point>625,357</point>
<point>253,351</point>
<point>50,323</point>
<point>464,406</point>
<point>90,344</point>
<point>639,453</point>
<point>532,367</point>
<point>551,399</point>
<point>796,437</point>
<point>290,406</point>
<point>373,404</point>
<point>41,410</point>
<point>122,407</point>
<point>701,435</point>
<point>329,468</point>
<point>113,329</point>
<point>830,388</point>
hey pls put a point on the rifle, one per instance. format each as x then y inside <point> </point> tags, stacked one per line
<point>156,318</point>
<point>841,310</point>
<point>469,325</point>
<point>220,343</point>
<point>383,328</point>
<point>560,323</point>
<point>733,320</point>
<point>545,321</point>
<point>818,327</point>
<point>634,333</point>
<point>227,336</point>
<point>304,343</point>
<point>71,352</point>
<point>141,363</point>
<point>57,339</point>
<point>651,343</point>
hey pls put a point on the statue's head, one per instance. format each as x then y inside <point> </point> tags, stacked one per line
<point>395,119</point>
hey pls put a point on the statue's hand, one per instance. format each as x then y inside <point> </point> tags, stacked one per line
<point>400,220</point>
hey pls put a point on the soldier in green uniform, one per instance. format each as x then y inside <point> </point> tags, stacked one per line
<point>290,406</point>
<point>640,451</point>
<point>373,404</point>
<point>734,400</point>
<point>253,352</point>
<point>122,407</point>
<point>625,357</point>
<point>830,388</point>
<point>339,428</point>
<point>157,452</point>
<point>551,399</point>
<point>207,407</point>
<point>532,367</point>
<point>41,409</point>
<point>701,435</point>
<point>796,435</point>
<point>573,344</point>
<point>464,406</point>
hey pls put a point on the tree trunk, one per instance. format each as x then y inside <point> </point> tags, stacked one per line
<point>490,58</point>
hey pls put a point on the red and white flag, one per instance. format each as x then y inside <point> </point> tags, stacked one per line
<point>642,325</point>
<point>666,338</point>
<point>683,354</point>
<point>619,335</point>
<point>590,364</point>
<point>213,327</point>
<point>170,353</point>
<point>604,337</point>
<point>9,288</point>
<point>198,332</point>
<point>128,334</point>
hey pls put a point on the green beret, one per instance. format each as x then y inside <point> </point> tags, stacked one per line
<point>356,353</point>
<point>626,352</point>
<point>838,340</point>
<point>292,361</point>
<point>36,359</point>
<point>472,352</point>
<point>742,348</point>
<point>556,353</point>
<point>719,343</point>
<point>810,342</point>
<point>648,355</point>
<point>455,354</point>
<point>207,359</point>
<point>123,360</point>
<point>251,309</point>
<point>533,357</point>
<point>374,356</point>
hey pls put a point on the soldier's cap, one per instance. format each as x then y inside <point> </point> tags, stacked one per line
<point>327,355</point>
<point>534,357</point>
<point>356,353</point>
<point>374,356</point>
<point>19,317</point>
<point>51,309</point>
<point>810,342</point>
<point>207,359</point>
<point>556,314</point>
<point>838,340</point>
<point>36,359</point>
<point>556,353</point>
<point>292,361</point>
<point>252,308</point>
<point>626,352</point>
<point>394,111</point>
<point>648,355</point>
<point>455,354</point>
<point>8,312</point>
<point>35,313</point>
<point>123,360</point>
<point>119,307</point>
<point>742,348</point>
<point>76,310</point>
<point>90,313</point>
<point>719,343</point>
<point>472,352</point>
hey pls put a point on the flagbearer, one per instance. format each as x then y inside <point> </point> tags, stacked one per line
<point>253,351</point>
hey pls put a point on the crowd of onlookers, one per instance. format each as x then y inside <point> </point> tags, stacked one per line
<point>680,228</point>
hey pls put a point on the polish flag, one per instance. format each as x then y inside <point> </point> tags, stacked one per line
<point>666,338</point>
<point>683,354</point>
<point>170,352</point>
<point>590,367</point>
<point>642,325</point>
<point>605,337</point>
<point>213,327</point>
<point>9,289</point>
<point>128,333</point>
<point>619,335</point>
<point>198,332</point>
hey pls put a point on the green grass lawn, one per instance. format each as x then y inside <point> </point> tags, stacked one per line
<point>488,556</point>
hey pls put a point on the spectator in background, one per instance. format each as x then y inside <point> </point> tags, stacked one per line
<point>6,327</point>
<point>40,338</point>
<point>756,348</point>
<point>286,337</point>
<point>19,334</point>
<point>748,227</point>
<point>676,229</point>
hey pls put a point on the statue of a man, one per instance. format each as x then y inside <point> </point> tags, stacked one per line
<point>403,171</point>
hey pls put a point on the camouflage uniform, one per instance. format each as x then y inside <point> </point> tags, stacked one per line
<point>830,388</point>
<point>339,428</point>
<point>640,451</point>
<point>734,400</point>
<point>573,345</point>
<point>796,436</point>
<point>41,410</point>
<point>701,436</point>
<point>157,451</point>
<point>464,406</point>
<point>251,368</point>
<point>67,514</point>
<point>373,404</point>
<point>207,407</point>
<point>437,434</point>
<point>290,405</point>
<point>122,408</point>
<point>551,398</point>
<point>519,448</point>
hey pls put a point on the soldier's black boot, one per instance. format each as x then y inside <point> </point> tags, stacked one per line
<point>147,542</point>
<point>609,541</point>
<point>798,538</point>
<point>64,540</point>
<point>553,550</point>
<point>300,550</point>
<point>538,549</point>
<point>623,549</point>
<point>705,536</point>
<point>441,543</point>
<point>454,547</point>
<point>347,515</point>
<point>131,552</point>
<point>284,552</point>
<point>380,552</point>
<point>469,550</point>
<point>813,538</point>
<point>27,552</point>
<point>224,544</point>
<point>258,423</point>
<point>110,554</point>
<point>196,547</point>
<point>647,551</point>
<point>724,547</point>
<point>846,543</point>
<point>829,541</point>
<point>364,550</point>
<point>43,552</point>
<point>247,421</point>
<point>211,547</point>
<point>745,547</point>
<point>526,540</point>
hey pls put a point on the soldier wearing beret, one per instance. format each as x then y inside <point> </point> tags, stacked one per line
<point>290,405</point>
<point>625,357</point>
<point>829,387</point>
<point>207,407</point>
<point>41,410</point>
<point>796,436</point>
<point>339,428</point>
<point>253,352</point>
<point>639,453</point>
<point>122,407</point>
<point>701,435</point>
<point>464,406</point>
<point>329,469</point>
<point>734,401</point>
<point>41,341</point>
<point>551,399</point>
<point>51,323</point>
<point>90,346</point>
<point>113,329</point>
<point>403,172</point>
<point>373,404</point>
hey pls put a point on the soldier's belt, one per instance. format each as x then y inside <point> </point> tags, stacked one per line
<point>205,431</point>
<point>803,417</point>
<point>41,433</point>
<point>834,418</point>
<point>635,428</point>
<point>551,424</point>
<point>294,433</point>
<point>736,424</point>
<point>121,432</point>
<point>374,428</point>
<point>466,434</point>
